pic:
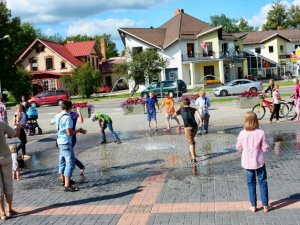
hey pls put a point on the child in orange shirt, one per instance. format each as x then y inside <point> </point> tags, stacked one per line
<point>169,103</point>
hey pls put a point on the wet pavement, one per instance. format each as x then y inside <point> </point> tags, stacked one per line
<point>149,179</point>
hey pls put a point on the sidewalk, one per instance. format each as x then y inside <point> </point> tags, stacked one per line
<point>149,179</point>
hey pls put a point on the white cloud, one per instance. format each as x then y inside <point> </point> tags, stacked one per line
<point>54,11</point>
<point>49,31</point>
<point>259,19</point>
<point>97,26</point>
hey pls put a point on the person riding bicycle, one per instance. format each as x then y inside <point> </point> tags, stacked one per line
<point>270,87</point>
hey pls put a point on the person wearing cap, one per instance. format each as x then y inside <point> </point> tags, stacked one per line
<point>105,122</point>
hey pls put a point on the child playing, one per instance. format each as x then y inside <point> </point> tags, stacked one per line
<point>104,122</point>
<point>202,103</point>
<point>190,125</point>
<point>252,143</point>
<point>169,103</point>
<point>15,165</point>
<point>276,104</point>
<point>150,103</point>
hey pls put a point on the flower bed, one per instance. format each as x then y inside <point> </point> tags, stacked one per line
<point>133,106</point>
<point>86,109</point>
<point>248,99</point>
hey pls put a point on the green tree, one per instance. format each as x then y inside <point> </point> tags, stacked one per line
<point>55,37</point>
<point>228,24</point>
<point>276,17</point>
<point>21,36</point>
<point>294,17</point>
<point>22,84</point>
<point>243,26</point>
<point>111,50</point>
<point>84,80</point>
<point>142,66</point>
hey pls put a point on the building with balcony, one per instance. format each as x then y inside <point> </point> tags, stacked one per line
<point>269,53</point>
<point>196,51</point>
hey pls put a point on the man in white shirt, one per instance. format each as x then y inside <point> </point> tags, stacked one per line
<point>202,104</point>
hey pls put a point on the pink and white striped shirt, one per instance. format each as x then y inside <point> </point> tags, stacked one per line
<point>253,145</point>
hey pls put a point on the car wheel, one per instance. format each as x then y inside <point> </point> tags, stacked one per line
<point>59,102</point>
<point>145,95</point>
<point>253,89</point>
<point>223,93</point>
<point>33,104</point>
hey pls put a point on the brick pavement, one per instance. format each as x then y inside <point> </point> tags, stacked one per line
<point>149,180</point>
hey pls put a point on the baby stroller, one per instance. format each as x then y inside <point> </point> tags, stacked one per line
<point>32,116</point>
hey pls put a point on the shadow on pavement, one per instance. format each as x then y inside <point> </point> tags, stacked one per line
<point>83,201</point>
<point>286,201</point>
<point>152,162</point>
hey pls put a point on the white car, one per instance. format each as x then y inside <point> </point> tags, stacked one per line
<point>237,86</point>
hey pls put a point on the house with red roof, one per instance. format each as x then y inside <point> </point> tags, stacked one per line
<point>48,61</point>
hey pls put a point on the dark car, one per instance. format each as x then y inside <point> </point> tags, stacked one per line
<point>165,87</point>
<point>51,97</point>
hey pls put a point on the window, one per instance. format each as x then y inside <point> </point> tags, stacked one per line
<point>136,50</point>
<point>258,50</point>
<point>224,47</point>
<point>190,50</point>
<point>169,84</point>
<point>281,48</point>
<point>60,92</point>
<point>33,64</point>
<point>271,49</point>
<point>155,85</point>
<point>209,49</point>
<point>46,87</point>
<point>237,49</point>
<point>63,65</point>
<point>49,63</point>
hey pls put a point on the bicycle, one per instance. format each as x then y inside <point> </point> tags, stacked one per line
<point>260,109</point>
<point>292,109</point>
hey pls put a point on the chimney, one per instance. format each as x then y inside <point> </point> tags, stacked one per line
<point>178,11</point>
<point>280,28</point>
<point>103,49</point>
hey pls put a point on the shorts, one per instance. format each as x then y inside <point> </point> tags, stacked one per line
<point>151,115</point>
<point>170,116</point>
<point>190,133</point>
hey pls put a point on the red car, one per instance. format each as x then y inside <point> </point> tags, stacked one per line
<point>53,97</point>
<point>104,89</point>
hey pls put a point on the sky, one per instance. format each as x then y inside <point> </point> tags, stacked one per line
<point>71,17</point>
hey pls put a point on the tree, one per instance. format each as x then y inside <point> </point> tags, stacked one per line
<point>142,66</point>
<point>22,84</point>
<point>21,36</point>
<point>276,17</point>
<point>111,50</point>
<point>231,25</point>
<point>294,17</point>
<point>243,26</point>
<point>228,24</point>
<point>55,37</point>
<point>84,80</point>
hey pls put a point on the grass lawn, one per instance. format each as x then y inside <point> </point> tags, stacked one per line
<point>100,98</point>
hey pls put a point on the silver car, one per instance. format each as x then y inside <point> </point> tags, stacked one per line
<point>237,86</point>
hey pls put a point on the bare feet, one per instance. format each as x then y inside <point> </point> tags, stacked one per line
<point>266,208</point>
<point>253,209</point>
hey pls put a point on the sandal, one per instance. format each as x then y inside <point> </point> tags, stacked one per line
<point>71,182</point>
<point>71,189</point>
<point>11,213</point>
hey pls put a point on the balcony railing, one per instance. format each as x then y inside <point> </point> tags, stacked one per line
<point>198,56</point>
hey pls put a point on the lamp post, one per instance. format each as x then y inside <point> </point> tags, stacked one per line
<point>5,37</point>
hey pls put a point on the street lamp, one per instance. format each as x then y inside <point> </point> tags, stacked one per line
<point>5,37</point>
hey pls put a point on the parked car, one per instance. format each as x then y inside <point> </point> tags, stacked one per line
<point>238,86</point>
<point>104,89</point>
<point>51,97</point>
<point>165,87</point>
